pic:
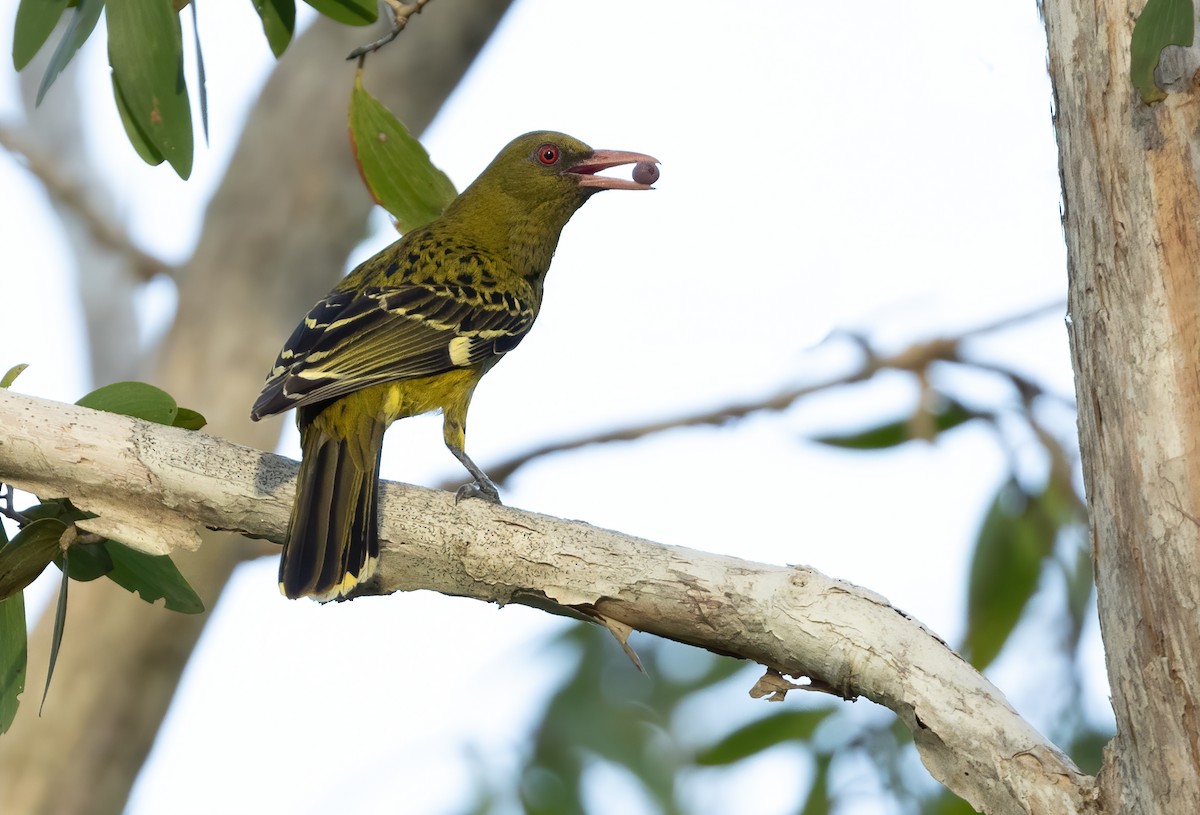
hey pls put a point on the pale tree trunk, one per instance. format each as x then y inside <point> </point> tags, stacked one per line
<point>1132,215</point>
<point>275,237</point>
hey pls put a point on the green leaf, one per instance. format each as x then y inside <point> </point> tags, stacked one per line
<point>14,654</point>
<point>59,508</point>
<point>28,554</point>
<point>394,165</point>
<point>1016,537</point>
<point>153,578</point>
<point>140,140</point>
<point>145,49</point>
<point>35,20</point>
<point>1087,749</point>
<point>1161,23</point>
<point>11,375</point>
<point>79,28</point>
<point>189,419</point>
<point>818,794</point>
<point>349,12</point>
<point>278,22</point>
<point>201,78</point>
<point>135,399</point>
<point>947,415</point>
<point>949,804</point>
<point>1080,582</point>
<point>87,562</point>
<point>751,739</point>
<point>60,624</point>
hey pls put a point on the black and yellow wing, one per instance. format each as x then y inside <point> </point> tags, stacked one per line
<point>358,338</point>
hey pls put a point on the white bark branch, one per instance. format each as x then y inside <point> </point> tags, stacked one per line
<point>146,478</point>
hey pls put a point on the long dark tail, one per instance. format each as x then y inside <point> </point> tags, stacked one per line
<point>333,537</point>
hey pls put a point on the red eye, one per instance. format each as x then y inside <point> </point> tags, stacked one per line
<point>548,154</point>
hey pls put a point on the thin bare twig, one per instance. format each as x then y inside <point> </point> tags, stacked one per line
<point>400,14</point>
<point>915,359</point>
<point>73,195</point>
<point>8,510</point>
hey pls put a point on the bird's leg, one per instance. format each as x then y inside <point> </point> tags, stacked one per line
<point>483,486</point>
<point>454,433</point>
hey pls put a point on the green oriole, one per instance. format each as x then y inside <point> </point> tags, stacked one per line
<point>412,330</point>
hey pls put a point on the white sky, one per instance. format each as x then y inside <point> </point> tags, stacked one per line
<point>890,169</point>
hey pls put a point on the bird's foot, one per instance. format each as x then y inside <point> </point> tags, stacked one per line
<point>479,489</point>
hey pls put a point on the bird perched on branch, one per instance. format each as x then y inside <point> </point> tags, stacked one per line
<point>412,330</point>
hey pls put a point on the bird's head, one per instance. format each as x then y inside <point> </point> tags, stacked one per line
<point>543,177</point>
<point>545,164</point>
<point>519,204</point>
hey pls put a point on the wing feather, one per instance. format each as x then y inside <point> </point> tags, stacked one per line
<point>354,339</point>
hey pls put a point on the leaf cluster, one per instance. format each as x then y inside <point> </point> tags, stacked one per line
<point>49,533</point>
<point>1030,533</point>
<point>655,731</point>
<point>145,52</point>
<point>1030,543</point>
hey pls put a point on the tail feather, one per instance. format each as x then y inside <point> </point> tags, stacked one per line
<point>332,540</point>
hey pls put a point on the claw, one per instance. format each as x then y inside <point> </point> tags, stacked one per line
<point>487,492</point>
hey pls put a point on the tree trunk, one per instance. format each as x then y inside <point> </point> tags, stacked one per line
<point>275,237</point>
<point>1131,213</point>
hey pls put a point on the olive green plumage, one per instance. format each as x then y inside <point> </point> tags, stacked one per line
<point>412,330</point>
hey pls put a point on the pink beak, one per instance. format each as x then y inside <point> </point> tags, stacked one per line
<point>585,171</point>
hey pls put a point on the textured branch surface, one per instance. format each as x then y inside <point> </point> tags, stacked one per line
<point>1132,221</point>
<point>793,620</point>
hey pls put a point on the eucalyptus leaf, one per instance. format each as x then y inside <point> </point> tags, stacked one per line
<point>1080,583</point>
<point>140,140</point>
<point>60,624</point>
<point>135,399</point>
<point>394,165</point>
<point>14,656</point>
<point>949,804</point>
<point>1087,749</point>
<point>79,28</point>
<point>153,578</point>
<point>1161,23</point>
<point>349,12</point>
<point>88,561</point>
<point>278,22</point>
<point>145,50</point>
<point>1015,540</point>
<point>11,375</point>
<point>759,735</point>
<point>189,419</point>
<point>58,508</point>
<point>818,794</point>
<point>201,78</point>
<point>947,415</point>
<point>28,554</point>
<point>34,24</point>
